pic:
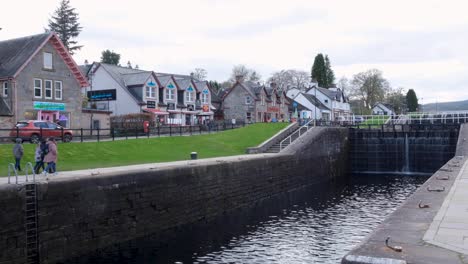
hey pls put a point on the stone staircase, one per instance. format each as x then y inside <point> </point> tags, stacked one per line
<point>295,134</point>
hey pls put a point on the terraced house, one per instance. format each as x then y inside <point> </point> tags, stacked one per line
<point>252,102</point>
<point>172,98</point>
<point>39,80</point>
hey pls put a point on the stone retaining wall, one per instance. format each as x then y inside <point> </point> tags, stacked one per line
<point>79,213</point>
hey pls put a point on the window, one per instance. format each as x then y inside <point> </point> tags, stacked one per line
<point>273,101</point>
<point>170,94</point>
<point>189,96</point>
<point>263,99</point>
<point>37,88</point>
<point>5,89</point>
<point>48,61</point>
<point>204,98</point>
<point>248,99</point>
<point>48,89</point>
<point>326,101</point>
<point>58,90</point>
<point>249,116</point>
<point>150,92</point>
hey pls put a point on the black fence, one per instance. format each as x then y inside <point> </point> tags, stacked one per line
<point>86,135</point>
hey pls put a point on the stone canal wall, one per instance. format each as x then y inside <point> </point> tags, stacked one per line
<point>79,212</point>
<point>407,226</point>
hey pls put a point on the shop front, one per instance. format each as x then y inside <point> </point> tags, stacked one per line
<point>49,111</point>
<point>161,116</point>
<point>205,114</point>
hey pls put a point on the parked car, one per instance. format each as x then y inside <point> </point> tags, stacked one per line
<point>34,130</point>
<point>358,119</point>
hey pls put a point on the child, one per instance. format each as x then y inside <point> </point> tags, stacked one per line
<point>38,157</point>
<point>51,157</point>
<point>18,153</point>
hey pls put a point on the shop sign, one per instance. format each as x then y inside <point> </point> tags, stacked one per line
<point>170,106</point>
<point>206,108</point>
<point>273,109</point>
<point>49,106</point>
<point>102,95</point>
<point>151,104</point>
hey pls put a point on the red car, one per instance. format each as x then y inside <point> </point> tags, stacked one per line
<point>34,130</point>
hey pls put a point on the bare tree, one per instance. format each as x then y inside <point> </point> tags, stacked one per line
<point>246,73</point>
<point>287,79</point>
<point>369,87</point>
<point>199,74</point>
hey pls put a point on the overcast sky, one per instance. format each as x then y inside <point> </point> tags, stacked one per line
<point>417,44</point>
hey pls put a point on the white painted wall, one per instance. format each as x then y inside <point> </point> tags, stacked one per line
<point>125,103</point>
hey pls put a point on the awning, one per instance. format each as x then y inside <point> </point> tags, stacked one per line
<point>155,111</point>
<point>190,112</point>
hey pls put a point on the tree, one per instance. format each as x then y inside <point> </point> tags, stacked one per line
<point>288,79</point>
<point>370,87</point>
<point>214,85</point>
<point>412,101</point>
<point>322,72</point>
<point>110,57</point>
<point>329,72</point>
<point>199,74</point>
<point>245,73</point>
<point>396,98</point>
<point>65,24</point>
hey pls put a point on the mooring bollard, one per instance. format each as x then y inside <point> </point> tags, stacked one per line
<point>193,155</point>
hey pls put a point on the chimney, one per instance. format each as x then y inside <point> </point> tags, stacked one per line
<point>239,78</point>
<point>273,85</point>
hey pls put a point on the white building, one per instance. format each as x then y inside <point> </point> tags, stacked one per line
<point>382,109</point>
<point>173,99</point>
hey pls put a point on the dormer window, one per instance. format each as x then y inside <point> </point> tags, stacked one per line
<point>150,92</point>
<point>189,94</point>
<point>273,102</point>
<point>170,92</point>
<point>5,89</point>
<point>48,64</point>
<point>205,96</point>
<point>248,99</point>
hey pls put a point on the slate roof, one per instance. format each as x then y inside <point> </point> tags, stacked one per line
<point>163,79</point>
<point>16,52</point>
<point>183,83</point>
<point>136,78</point>
<point>313,100</point>
<point>335,95</point>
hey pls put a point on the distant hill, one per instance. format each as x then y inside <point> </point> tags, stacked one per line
<point>446,106</point>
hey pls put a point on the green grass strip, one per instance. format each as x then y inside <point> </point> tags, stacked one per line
<point>88,155</point>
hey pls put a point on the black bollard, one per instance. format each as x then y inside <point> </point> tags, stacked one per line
<point>193,155</point>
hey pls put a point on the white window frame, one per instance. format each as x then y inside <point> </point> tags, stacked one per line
<point>248,99</point>
<point>56,89</point>
<point>263,99</point>
<point>273,101</point>
<point>188,96</point>
<point>204,98</point>
<point>37,88</point>
<point>48,89</point>
<point>5,89</point>
<point>150,92</point>
<point>46,61</point>
<point>170,94</point>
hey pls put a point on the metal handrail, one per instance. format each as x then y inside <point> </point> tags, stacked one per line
<point>10,167</point>
<point>289,138</point>
<point>29,165</point>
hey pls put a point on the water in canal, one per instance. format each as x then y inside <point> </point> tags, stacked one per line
<point>314,225</point>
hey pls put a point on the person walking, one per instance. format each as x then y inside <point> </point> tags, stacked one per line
<point>18,153</point>
<point>51,157</point>
<point>39,157</point>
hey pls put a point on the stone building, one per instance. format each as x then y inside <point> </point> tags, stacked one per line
<point>252,102</point>
<point>39,81</point>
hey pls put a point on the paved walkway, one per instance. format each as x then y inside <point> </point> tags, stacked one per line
<point>449,228</point>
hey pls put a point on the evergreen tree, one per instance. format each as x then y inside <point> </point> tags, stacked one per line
<point>329,72</point>
<point>322,72</point>
<point>110,57</point>
<point>412,101</point>
<point>65,24</point>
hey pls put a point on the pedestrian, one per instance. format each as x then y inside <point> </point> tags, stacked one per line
<point>18,153</point>
<point>39,157</point>
<point>51,156</point>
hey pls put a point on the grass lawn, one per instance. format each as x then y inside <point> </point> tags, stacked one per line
<point>75,156</point>
<point>375,121</point>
